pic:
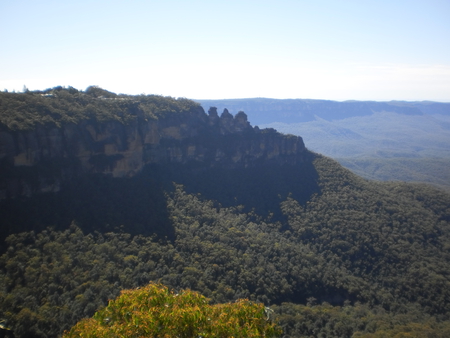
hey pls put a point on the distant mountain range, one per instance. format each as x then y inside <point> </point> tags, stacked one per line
<point>359,132</point>
<point>264,111</point>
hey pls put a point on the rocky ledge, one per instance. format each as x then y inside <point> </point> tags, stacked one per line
<point>40,159</point>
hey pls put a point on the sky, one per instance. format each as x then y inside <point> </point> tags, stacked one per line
<point>206,49</point>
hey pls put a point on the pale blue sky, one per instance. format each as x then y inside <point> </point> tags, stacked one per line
<point>338,50</point>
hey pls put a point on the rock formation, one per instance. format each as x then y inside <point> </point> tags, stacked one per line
<point>42,158</point>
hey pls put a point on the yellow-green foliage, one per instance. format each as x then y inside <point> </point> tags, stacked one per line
<point>155,311</point>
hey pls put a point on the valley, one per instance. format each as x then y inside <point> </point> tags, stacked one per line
<point>104,192</point>
<point>404,141</point>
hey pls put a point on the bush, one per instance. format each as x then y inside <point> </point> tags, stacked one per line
<point>155,311</point>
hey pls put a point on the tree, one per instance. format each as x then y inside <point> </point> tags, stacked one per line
<point>155,311</point>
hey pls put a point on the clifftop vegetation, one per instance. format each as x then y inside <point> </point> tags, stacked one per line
<point>58,106</point>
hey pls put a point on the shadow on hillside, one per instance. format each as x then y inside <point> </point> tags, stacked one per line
<point>96,203</point>
<point>138,205</point>
<point>260,188</point>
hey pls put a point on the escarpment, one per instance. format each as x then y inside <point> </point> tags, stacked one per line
<point>47,138</point>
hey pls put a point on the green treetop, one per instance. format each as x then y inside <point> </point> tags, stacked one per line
<point>155,311</point>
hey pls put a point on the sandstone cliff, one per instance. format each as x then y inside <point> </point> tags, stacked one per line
<point>41,157</point>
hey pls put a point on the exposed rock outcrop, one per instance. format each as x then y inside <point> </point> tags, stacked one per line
<point>41,159</point>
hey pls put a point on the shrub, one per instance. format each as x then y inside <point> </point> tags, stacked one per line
<point>155,311</point>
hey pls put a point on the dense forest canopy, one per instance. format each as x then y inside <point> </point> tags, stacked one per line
<point>334,255</point>
<point>378,249</point>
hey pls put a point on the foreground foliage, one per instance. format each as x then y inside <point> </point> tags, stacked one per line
<point>155,311</point>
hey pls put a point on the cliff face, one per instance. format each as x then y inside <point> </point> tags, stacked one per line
<point>41,159</point>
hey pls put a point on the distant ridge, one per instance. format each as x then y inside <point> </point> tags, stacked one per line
<point>374,139</point>
<point>265,110</point>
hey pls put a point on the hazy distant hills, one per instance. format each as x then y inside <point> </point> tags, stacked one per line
<point>264,111</point>
<point>381,134</point>
<point>382,140</point>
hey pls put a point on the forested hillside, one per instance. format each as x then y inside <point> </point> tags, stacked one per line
<point>379,250</point>
<point>333,254</point>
